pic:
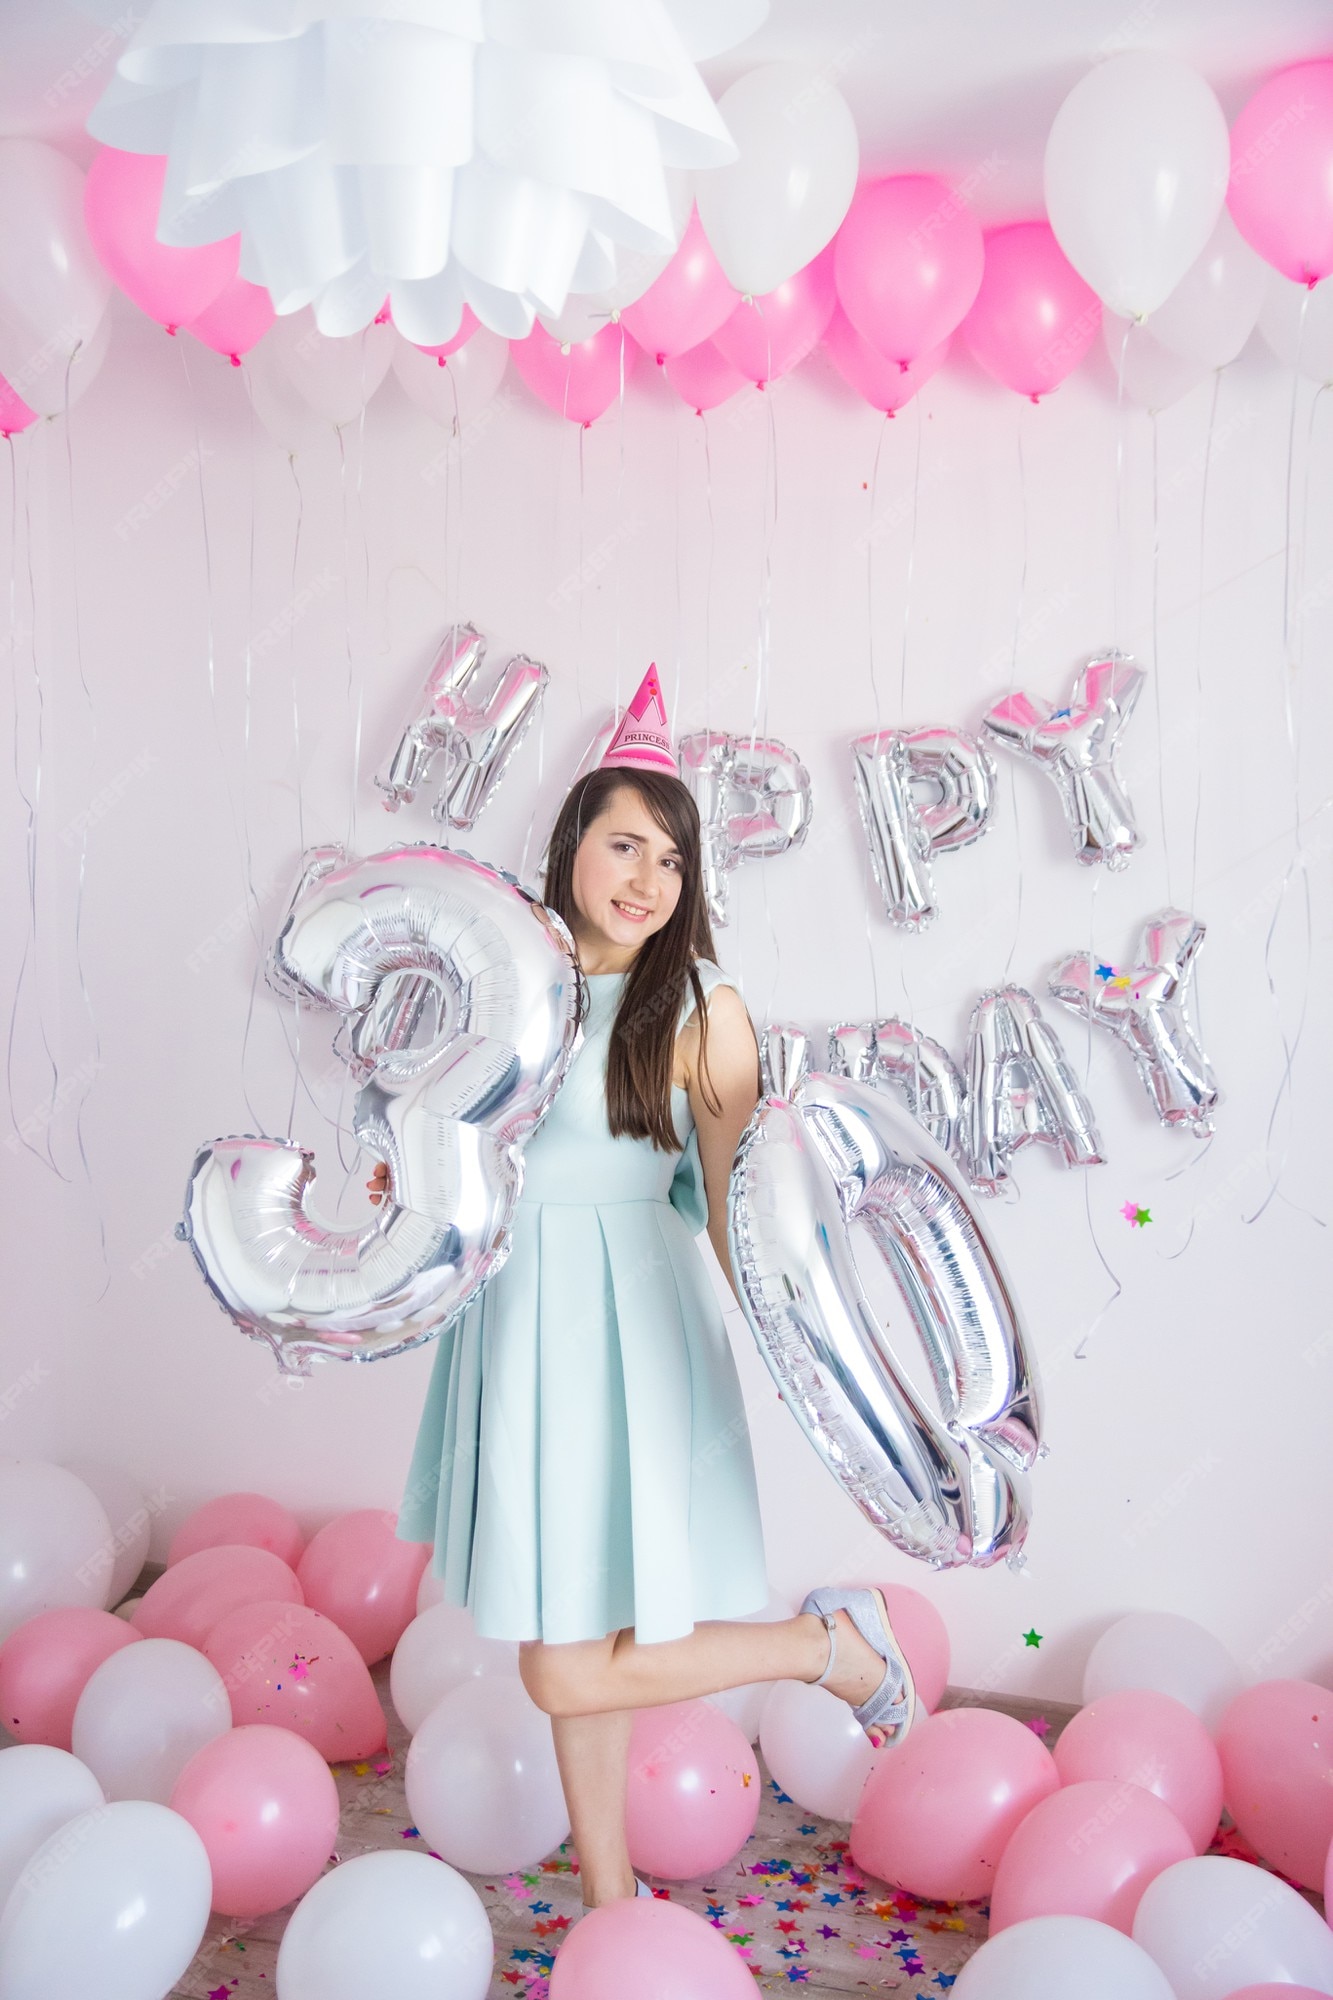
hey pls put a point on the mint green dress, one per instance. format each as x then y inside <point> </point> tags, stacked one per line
<point>583,1461</point>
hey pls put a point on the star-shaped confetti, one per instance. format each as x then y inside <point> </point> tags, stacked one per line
<point>1106,972</point>
<point>1039,1725</point>
<point>1032,1638</point>
<point>1136,1217</point>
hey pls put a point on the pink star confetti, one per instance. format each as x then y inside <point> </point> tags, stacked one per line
<point>1039,1725</point>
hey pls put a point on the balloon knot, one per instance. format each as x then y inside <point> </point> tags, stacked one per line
<point>587,424</point>
<point>615,317</point>
<point>903,367</point>
<point>235,360</point>
<point>661,361</point>
<point>1034,396</point>
<point>441,361</point>
<point>170,328</point>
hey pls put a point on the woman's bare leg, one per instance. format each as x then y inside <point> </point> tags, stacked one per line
<point>594,1676</point>
<point>593,1754</point>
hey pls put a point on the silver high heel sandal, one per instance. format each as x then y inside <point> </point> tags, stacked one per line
<point>892,1707</point>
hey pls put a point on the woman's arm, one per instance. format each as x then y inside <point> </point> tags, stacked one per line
<point>733,1077</point>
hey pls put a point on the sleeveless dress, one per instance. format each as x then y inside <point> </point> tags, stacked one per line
<point>583,1462</point>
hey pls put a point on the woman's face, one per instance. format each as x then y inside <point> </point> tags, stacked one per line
<point>626,880</point>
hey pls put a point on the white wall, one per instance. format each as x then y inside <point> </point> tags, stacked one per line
<point>1189,1446</point>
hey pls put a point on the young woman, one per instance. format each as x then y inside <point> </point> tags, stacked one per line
<point>583,1465</point>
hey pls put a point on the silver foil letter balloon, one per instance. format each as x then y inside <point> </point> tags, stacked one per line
<point>1076,747</point>
<point>1020,1090</point>
<point>920,792</point>
<point>476,738</point>
<point>753,795</point>
<point>1146,1007</point>
<point>460,998</point>
<point>948,1486</point>
<point>920,1069</point>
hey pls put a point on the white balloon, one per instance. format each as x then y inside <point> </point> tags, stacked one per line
<point>439,1650</point>
<point>1136,172</point>
<point>1308,347</point>
<point>1060,1958</point>
<point>815,1748</point>
<point>459,391</point>
<point>335,375</point>
<point>142,1715</point>
<point>40,1789</point>
<point>127,1512</point>
<point>115,1903</point>
<point>482,1780</point>
<point>767,215</point>
<point>1153,375</point>
<point>54,1538</point>
<point>1215,1925</point>
<point>404,1924</point>
<point>1171,1654</point>
<point>53,291</point>
<point>745,1704</point>
<point>1212,312</point>
<point>430,1590</point>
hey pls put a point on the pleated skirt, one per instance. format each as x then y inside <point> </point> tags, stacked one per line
<point>583,1461</point>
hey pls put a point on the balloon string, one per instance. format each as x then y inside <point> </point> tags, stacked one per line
<point>1080,1352</point>
<point>679,418</point>
<point>1297,865</point>
<point>579,592</point>
<point>769,521</point>
<point>1020,432</point>
<point>867,867</point>
<point>902,664</point>
<point>452,514</point>
<point>1118,552</point>
<point>31,804</point>
<point>620,500</point>
<point>708,574</point>
<point>1292,651</point>
<point>300,782</point>
<point>1198,640</point>
<point>247,772</point>
<point>84,994</point>
<point>1157,664</point>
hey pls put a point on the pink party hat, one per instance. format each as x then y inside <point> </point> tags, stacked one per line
<point>643,739</point>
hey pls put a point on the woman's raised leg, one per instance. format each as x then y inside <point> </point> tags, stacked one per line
<point>621,1673</point>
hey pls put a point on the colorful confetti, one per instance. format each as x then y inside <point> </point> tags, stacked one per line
<point>1136,1217</point>
<point>1032,1638</point>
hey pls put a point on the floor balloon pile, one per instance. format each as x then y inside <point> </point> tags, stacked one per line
<point>210,1769</point>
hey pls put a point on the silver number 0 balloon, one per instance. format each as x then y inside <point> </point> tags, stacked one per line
<point>415,939</point>
<point>821,1155</point>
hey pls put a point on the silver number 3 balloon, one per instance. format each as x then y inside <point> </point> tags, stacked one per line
<point>822,1154</point>
<point>460,998</point>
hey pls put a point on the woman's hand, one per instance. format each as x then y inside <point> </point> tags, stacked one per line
<point>379,1183</point>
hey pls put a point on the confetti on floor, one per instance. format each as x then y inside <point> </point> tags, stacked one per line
<point>792,1904</point>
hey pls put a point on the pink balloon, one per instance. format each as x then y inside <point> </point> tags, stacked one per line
<point>702,377</point>
<point>361,1576</point>
<point>650,1949</point>
<point>15,415</point>
<point>1269,1991</point>
<point>1276,1743</point>
<point>188,1599</point>
<point>687,303</point>
<point>923,1636</point>
<point>578,380</point>
<point>236,1518</point>
<point>1281,191</point>
<point>45,1663</point>
<point>765,337</point>
<point>694,1789</point>
<point>265,1805</point>
<point>884,384</point>
<point>1144,1738</point>
<point>239,316</point>
<point>1034,318</point>
<point>1089,1850</point>
<point>289,1665</point>
<point>938,1809</point>
<point>908,262</point>
<point>122,196</point>
<point>467,326</point>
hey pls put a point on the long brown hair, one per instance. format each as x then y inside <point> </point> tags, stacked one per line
<point>642,1051</point>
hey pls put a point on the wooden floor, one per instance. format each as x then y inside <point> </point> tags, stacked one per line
<point>791,1903</point>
